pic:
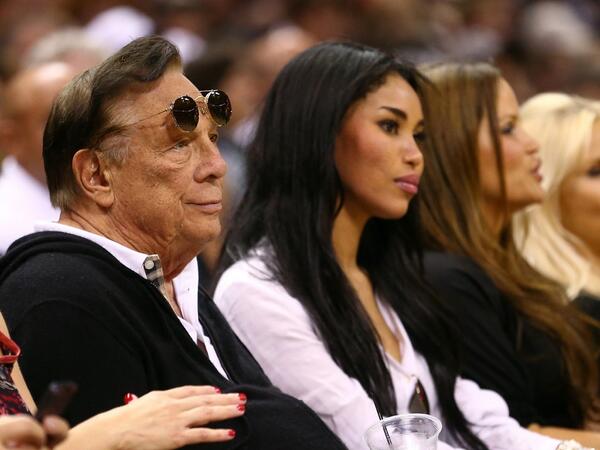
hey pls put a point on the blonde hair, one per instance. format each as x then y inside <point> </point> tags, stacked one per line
<point>562,124</point>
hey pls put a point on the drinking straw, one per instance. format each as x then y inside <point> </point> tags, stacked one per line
<point>385,431</point>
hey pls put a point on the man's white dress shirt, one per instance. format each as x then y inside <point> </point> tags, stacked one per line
<point>280,334</point>
<point>185,285</point>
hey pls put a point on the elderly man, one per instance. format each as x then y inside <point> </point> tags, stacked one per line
<point>108,296</point>
<point>24,198</point>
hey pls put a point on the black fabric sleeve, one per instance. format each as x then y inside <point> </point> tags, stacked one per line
<point>60,341</point>
<point>488,350</point>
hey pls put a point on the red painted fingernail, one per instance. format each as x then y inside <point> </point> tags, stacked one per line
<point>231,433</point>
<point>243,397</point>
<point>242,407</point>
<point>217,390</point>
<point>129,397</point>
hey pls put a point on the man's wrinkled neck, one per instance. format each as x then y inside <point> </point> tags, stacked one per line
<point>173,257</point>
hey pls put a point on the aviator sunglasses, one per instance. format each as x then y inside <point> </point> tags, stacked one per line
<point>186,111</point>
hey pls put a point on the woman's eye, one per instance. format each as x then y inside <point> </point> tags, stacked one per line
<point>419,137</point>
<point>389,126</point>
<point>594,171</point>
<point>507,129</point>
<point>214,137</point>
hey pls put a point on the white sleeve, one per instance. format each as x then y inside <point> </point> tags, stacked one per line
<point>487,413</point>
<point>279,333</point>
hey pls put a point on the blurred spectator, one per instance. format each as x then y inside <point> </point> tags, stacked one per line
<point>19,33</point>
<point>556,41</point>
<point>117,26</point>
<point>24,197</point>
<point>326,19</point>
<point>70,45</point>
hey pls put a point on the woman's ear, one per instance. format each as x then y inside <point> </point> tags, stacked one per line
<point>92,177</point>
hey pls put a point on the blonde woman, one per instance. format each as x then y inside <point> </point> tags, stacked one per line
<point>560,236</point>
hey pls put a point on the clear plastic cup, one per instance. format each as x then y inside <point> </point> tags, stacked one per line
<point>404,432</point>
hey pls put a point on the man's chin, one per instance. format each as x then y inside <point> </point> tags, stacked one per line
<point>209,232</point>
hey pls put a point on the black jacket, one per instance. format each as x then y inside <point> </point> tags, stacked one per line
<point>79,314</point>
<point>501,350</point>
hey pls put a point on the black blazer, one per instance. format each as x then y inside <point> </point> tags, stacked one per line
<point>501,350</point>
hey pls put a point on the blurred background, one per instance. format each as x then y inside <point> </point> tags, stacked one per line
<point>539,44</point>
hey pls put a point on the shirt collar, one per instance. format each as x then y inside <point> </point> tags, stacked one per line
<point>130,258</point>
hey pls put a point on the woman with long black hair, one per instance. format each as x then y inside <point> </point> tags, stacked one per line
<point>322,266</point>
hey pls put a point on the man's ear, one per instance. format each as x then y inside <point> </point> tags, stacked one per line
<point>92,177</point>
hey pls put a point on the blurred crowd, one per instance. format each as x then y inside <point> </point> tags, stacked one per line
<point>540,44</point>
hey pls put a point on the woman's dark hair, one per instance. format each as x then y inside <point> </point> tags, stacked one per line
<point>293,196</point>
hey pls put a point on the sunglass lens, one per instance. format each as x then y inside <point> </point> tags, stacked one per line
<point>219,107</point>
<point>186,114</point>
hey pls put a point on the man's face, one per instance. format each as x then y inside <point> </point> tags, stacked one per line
<point>168,190</point>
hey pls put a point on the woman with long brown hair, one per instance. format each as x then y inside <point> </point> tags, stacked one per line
<point>520,336</point>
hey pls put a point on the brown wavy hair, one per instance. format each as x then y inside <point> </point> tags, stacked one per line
<point>459,97</point>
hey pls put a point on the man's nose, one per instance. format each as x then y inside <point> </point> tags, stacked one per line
<point>210,164</point>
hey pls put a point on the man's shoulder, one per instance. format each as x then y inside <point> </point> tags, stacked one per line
<point>51,264</point>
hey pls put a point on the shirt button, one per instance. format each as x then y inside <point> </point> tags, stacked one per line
<point>149,264</point>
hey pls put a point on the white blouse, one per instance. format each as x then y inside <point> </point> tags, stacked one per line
<point>281,336</point>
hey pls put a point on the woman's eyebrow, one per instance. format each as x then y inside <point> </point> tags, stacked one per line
<point>513,117</point>
<point>397,112</point>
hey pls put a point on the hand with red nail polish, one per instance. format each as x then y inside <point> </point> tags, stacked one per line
<point>129,397</point>
<point>162,420</point>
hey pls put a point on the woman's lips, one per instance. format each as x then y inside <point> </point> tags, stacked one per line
<point>408,183</point>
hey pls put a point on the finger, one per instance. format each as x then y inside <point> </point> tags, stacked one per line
<point>56,430</point>
<point>211,400</point>
<point>56,426</point>
<point>23,430</point>
<point>204,415</point>
<point>190,391</point>
<point>201,435</point>
<point>17,446</point>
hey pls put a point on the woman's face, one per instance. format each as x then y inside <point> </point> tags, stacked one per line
<point>580,196</point>
<point>521,162</point>
<point>376,151</point>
